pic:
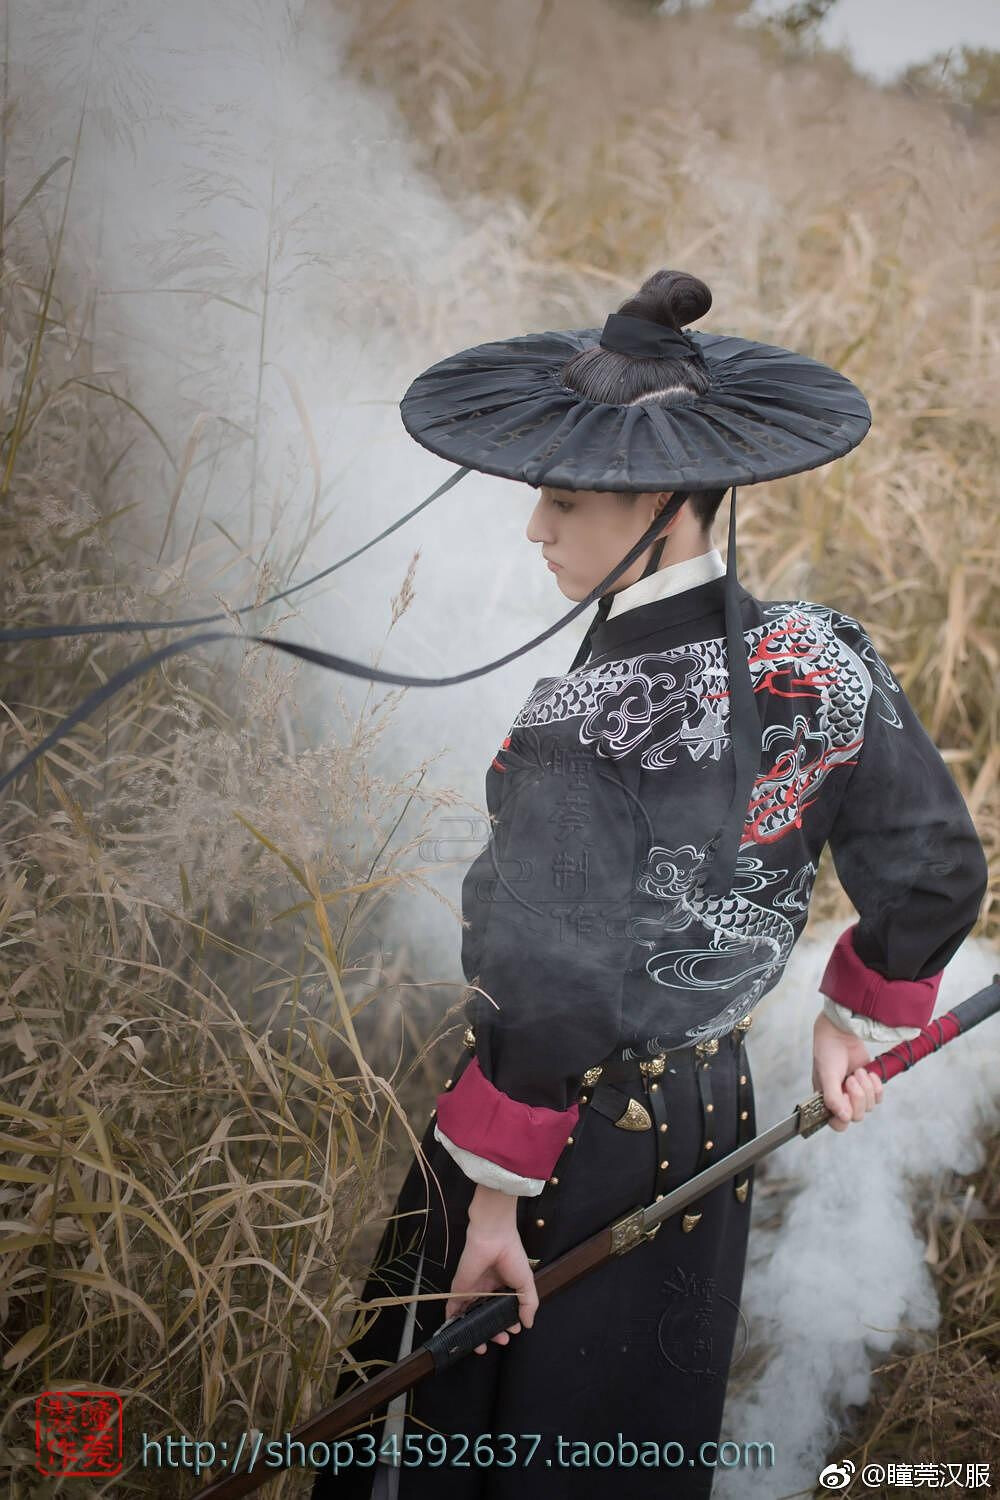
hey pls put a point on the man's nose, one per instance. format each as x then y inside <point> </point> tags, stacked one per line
<point>538,529</point>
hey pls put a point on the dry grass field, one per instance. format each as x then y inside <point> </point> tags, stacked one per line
<point>190,1194</point>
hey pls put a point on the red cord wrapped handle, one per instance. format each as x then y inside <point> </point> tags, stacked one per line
<point>942,1029</point>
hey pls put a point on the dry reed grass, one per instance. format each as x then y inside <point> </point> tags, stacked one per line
<point>202,1069</point>
<point>198,1094</point>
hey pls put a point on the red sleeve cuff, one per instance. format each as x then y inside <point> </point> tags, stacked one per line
<point>896,1002</point>
<point>524,1138</point>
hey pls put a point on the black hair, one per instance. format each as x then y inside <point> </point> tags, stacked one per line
<point>672,298</point>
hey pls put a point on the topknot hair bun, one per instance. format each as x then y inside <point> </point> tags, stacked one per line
<point>673,298</point>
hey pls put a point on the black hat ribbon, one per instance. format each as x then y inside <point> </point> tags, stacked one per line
<point>642,338</point>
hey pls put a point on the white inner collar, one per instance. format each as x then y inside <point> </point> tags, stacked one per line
<point>673,579</point>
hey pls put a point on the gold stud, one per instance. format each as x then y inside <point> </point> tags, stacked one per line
<point>664,1164</point>
<point>689,1221</point>
<point>744,1114</point>
<point>447,1083</point>
<point>653,1087</point>
<point>663,1126</point>
<point>540,1223</point>
<point>569,1140</point>
<point>743,1078</point>
<point>709,1145</point>
<point>659,1196</point>
<point>709,1108</point>
<point>584,1098</point>
<point>554,1181</point>
<point>741,1191</point>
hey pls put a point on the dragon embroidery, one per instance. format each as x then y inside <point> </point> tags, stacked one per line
<point>675,703</point>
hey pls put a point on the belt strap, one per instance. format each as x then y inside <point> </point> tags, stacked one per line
<point>658,1106</point>
<point>746,1125</point>
<point>704,1052</point>
<point>614,1104</point>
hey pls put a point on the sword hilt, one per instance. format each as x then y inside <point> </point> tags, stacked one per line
<point>475,1325</point>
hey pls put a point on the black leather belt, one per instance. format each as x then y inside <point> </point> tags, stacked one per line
<point>629,1093</point>
<point>629,1112</point>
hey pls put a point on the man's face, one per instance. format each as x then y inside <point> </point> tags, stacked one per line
<point>586,532</point>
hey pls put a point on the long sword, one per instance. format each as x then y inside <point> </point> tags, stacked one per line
<point>495,1311</point>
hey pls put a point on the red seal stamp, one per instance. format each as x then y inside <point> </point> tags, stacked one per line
<point>78,1432</point>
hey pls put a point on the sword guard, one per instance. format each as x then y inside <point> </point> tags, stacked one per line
<point>813,1114</point>
<point>631,1231</point>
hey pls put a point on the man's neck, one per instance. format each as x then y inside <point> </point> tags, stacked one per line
<point>672,578</point>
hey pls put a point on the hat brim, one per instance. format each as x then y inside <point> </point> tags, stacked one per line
<point>501,408</point>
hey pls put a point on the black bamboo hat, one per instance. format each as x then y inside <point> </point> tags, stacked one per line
<point>505,408</point>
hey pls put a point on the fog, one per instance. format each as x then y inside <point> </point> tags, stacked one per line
<point>838,1255</point>
<point>269,269</point>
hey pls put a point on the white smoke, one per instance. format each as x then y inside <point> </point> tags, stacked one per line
<point>269,268</point>
<point>837,1268</point>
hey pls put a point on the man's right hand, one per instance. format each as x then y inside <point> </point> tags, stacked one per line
<point>849,1089</point>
